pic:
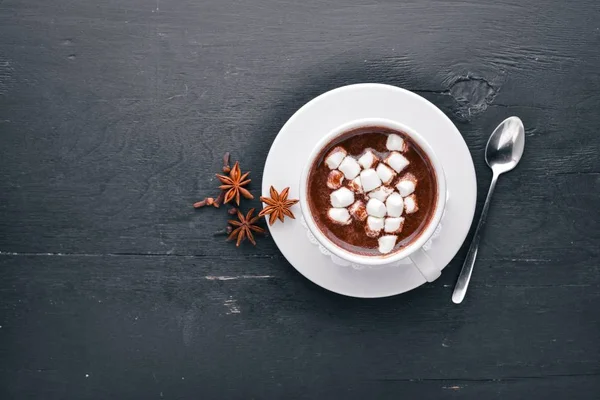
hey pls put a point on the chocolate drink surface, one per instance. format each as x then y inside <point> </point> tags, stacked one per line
<point>372,191</point>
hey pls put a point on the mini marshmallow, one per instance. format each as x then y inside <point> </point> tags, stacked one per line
<point>375,224</point>
<point>385,173</point>
<point>410,204</point>
<point>395,142</point>
<point>350,167</point>
<point>335,157</point>
<point>407,184</point>
<point>397,161</point>
<point>394,225</point>
<point>342,197</point>
<point>370,180</point>
<point>387,243</point>
<point>368,159</point>
<point>340,216</point>
<point>381,193</point>
<point>335,179</point>
<point>355,185</point>
<point>394,205</point>
<point>358,210</point>
<point>376,208</point>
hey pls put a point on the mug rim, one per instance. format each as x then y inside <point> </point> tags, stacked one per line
<point>424,236</point>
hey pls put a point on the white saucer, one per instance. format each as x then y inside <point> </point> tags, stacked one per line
<point>299,135</point>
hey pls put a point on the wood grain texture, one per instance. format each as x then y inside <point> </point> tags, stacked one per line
<point>115,114</point>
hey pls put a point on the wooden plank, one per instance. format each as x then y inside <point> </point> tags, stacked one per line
<point>125,140</point>
<point>268,332</point>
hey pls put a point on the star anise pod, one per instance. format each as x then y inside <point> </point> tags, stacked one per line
<point>244,227</point>
<point>234,184</point>
<point>278,205</point>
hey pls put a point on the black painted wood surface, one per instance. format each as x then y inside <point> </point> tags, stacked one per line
<point>115,114</point>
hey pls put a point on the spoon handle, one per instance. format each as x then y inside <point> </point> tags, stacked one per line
<point>467,270</point>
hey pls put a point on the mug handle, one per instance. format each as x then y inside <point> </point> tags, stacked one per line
<point>425,265</point>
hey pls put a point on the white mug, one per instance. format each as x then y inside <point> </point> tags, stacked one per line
<point>414,250</point>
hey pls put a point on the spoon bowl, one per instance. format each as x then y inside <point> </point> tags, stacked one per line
<point>505,146</point>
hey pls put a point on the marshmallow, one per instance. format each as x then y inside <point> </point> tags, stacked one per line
<point>370,180</point>
<point>358,210</point>
<point>381,193</point>
<point>340,216</point>
<point>376,208</point>
<point>342,197</point>
<point>410,204</point>
<point>394,205</point>
<point>387,243</point>
<point>335,157</point>
<point>407,184</point>
<point>397,161</point>
<point>355,185</point>
<point>394,225</point>
<point>385,173</point>
<point>350,167</point>
<point>395,142</point>
<point>335,179</point>
<point>368,159</point>
<point>374,226</point>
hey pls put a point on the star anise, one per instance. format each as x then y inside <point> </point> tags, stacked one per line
<point>244,227</point>
<point>234,183</point>
<point>278,205</point>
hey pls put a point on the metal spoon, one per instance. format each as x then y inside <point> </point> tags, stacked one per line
<point>502,153</point>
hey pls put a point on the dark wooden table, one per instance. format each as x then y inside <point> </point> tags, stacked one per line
<point>115,114</point>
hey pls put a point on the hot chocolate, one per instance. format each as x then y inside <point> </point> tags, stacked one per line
<point>372,190</point>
